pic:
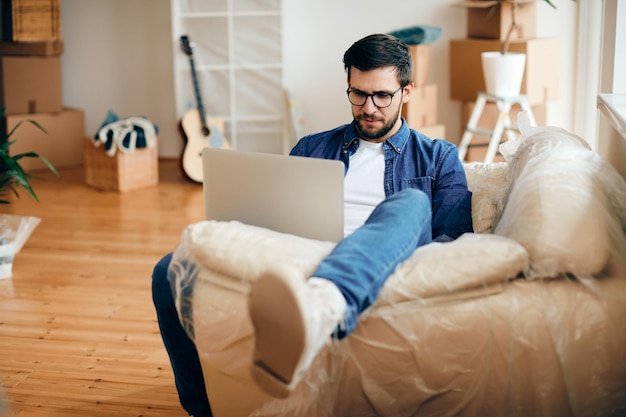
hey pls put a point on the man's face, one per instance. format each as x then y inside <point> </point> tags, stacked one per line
<point>374,123</point>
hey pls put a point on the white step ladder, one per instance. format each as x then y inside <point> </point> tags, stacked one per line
<point>503,123</point>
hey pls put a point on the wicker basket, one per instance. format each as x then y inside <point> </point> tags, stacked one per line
<point>125,171</point>
<point>31,20</point>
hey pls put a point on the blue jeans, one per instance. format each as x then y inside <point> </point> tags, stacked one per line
<point>359,265</point>
<point>180,348</point>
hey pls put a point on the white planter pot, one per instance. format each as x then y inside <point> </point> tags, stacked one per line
<point>503,73</point>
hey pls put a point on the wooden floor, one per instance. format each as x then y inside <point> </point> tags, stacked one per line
<point>78,332</point>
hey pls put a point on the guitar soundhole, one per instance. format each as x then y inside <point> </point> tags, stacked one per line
<point>206,131</point>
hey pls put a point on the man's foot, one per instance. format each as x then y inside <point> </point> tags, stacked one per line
<point>293,319</point>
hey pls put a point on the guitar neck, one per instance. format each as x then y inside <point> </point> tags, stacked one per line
<point>196,88</point>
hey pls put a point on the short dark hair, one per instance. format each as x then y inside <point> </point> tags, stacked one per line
<point>377,51</point>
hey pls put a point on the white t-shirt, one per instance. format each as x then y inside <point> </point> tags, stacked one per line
<point>363,184</point>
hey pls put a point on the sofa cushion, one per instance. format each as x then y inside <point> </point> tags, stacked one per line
<point>486,181</point>
<point>243,252</point>
<point>473,261</point>
<point>564,204</point>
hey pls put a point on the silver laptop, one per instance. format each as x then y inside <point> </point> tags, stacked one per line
<point>288,194</point>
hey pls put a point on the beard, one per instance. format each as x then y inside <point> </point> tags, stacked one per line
<point>375,134</point>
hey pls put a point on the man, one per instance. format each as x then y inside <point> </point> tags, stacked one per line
<point>402,190</point>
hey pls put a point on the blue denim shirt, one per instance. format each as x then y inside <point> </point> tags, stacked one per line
<point>412,160</point>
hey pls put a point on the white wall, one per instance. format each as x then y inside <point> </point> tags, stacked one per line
<point>318,33</point>
<point>561,23</point>
<point>316,38</point>
<point>613,76</point>
<point>118,55</point>
<point>619,75</point>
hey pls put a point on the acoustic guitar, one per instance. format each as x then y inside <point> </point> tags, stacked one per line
<point>198,130</point>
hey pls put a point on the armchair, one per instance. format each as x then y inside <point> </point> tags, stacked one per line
<point>525,316</point>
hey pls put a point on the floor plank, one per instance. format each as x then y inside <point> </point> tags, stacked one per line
<point>78,332</point>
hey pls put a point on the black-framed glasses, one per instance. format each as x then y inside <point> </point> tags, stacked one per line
<point>380,99</point>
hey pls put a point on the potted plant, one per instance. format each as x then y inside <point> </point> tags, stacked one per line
<point>504,70</point>
<point>12,175</point>
<point>14,230</point>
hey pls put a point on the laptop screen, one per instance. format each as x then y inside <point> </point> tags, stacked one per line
<point>288,194</point>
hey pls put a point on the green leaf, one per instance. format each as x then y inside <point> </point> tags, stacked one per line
<point>31,121</point>
<point>12,175</point>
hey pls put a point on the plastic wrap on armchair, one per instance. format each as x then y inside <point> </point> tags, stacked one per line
<point>525,319</point>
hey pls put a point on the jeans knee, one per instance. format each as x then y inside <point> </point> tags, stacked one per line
<point>159,278</point>
<point>160,269</point>
<point>413,198</point>
<point>404,206</point>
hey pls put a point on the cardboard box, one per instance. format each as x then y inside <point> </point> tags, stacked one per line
<point>43,48</point>
<point>30,85</point>
<point>124,171</point>
<point>541,76</point>
<point>421,63</point>
<point>30,20</point>
<point>421,109</point>
<point>492,19</point>
<point>433,131</point>
<point>477,154</point>
<point>62,145</point>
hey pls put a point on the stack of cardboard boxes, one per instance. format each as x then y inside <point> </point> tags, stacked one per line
<point>487,25</point>
<point>30,85</point>
<point>420,111</point>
